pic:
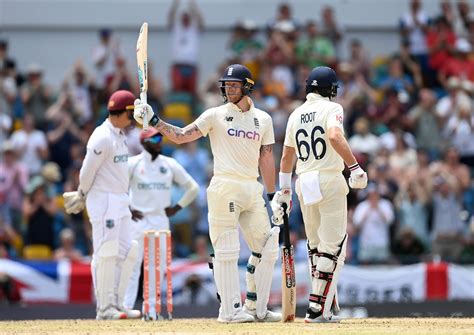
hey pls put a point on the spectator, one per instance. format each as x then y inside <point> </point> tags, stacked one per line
<point>359,59</point>
<point>396,79</point>
<point>447,104</point>
<point>30,145</point>
<point>67,249</point>
<point>5,60</point>
<point>447,225</point>
<point>413,28</point>
<point>13,182</point>
<point>331,29</point>
<point>441,42</point>
<point>36,96</point>
<point>284,14</point>
<point>39,210</point>
<point>465,16</point>
<point>201,249</point>
<point>363,141</point>
<point>410,67</point>
<point>447,13</point>
<point>408,248</point>
<point>458,65</point>
<point>425,123</point>
<point>373,218</point>
<point>80,90</point>
<point>185,46</point>
<point>8,94</point>
<point>195,292</point>
<point>105,56</point>
<point>317,49</point>
<point>245,47</point>
<point>412,207</point>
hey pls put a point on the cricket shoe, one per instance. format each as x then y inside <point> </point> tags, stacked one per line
<point>269,315</point>
<point>239,317</point>
<point>317,317</point>
<point>131,313</point>
<point>111,313</point>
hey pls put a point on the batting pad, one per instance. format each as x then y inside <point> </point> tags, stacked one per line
<point>226,272</point>
<point>126,271</point>
<point>264,271</point>
<point>105,268</point>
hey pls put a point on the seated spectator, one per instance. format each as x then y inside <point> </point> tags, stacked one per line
<point>245,46</point>
<point>359,59</point>
<point>373,218</point>
<point>408,248</point>
<point>446,105</point>
<point>447,228</point>
<point>105,57</point>
<point>284,14</point>
<point>66,249</point>
<point>441,42</point>
<point>459,64</point>
<point>403,157</point>
<point>397,80</point>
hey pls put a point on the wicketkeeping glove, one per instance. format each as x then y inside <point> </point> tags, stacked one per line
<point>358,178</point>
<point>74,202</point>
<point>141,110</point>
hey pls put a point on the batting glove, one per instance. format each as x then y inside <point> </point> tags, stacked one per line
<point>74,202</point>
<point>281,197</point>
<point>145,110</point>
<point>358,178</point>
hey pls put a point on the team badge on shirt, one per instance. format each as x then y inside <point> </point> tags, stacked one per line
<point>163,169</point>
<point>256,123</point>
<point>109,223</point>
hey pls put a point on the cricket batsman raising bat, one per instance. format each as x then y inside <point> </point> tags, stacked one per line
<point>142,58</point>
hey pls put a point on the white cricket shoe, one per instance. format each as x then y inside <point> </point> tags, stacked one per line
<point>269,316</point>
<point>111,313</point>
<point>131,313</point>
<point>317,317</point>
<point>239,317</point>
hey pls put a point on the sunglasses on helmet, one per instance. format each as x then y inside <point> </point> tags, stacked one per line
<point>154,139</point>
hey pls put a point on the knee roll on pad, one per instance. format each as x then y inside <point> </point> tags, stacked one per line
<point>227,246</point>
<point>108,249</point>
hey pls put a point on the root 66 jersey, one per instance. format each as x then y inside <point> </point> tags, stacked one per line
<point>236,138</point>
<point>151,182</point>
<point>307,132</point>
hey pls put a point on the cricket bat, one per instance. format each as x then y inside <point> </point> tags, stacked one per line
<point>142,58</point>
<point>288,284</point>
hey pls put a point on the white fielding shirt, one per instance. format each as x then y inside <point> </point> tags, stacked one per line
<point>105,166</point>
<point>151,182</point>
<point>307,132</point>
<point>236,138</point>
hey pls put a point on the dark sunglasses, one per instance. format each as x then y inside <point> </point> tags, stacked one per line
<point>154,139</point>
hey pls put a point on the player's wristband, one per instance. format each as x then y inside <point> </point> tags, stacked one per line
<point>270,196</point>
<point>154,120</point>
<point>354,167</point>
<point>285,180</point>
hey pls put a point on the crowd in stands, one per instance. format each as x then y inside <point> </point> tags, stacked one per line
<point>409,118</point>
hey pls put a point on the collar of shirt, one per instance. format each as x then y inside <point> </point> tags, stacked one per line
<point>115,130</point>
<point>315,96</point>
<point>147,157</point>
<point>235,108</point>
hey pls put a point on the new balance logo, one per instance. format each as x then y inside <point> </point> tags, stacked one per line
<point>228,118</point>
<point>256,122</point>
<point>229,72</point>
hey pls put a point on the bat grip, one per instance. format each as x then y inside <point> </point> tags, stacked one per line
<point>143,99</point>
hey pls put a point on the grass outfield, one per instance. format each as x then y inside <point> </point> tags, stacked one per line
<point>429,326</point>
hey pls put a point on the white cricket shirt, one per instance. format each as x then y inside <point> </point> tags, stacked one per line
<point>151,182</point>
<point>307,132</point>
<point>236,138</point>
<point>105,167</point>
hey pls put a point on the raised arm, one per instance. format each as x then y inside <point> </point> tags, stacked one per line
<point>179,135</point>
<point>172,14</point>
<point>267,167</point>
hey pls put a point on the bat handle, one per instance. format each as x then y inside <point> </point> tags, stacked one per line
<point>143,99</point>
